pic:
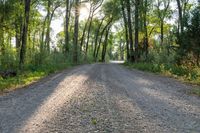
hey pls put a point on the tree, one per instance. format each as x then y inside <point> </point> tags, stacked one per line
<point>126,29</point>
<point>24,33</point>
<point>76,30</point>
<point>67,12</point>
<point>162,14</point>
<point>132,59</point>
<point>137,2</point>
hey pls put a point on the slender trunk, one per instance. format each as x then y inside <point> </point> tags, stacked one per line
<point>76,29</point>
<point>102,33</point>
<point>88,36</point>
<point>67,27</point>
<point>180,29</point>
<point>162,31</point>
<point>42,35</point>
<point>130,30</point>
<point>84,30</point>
<point>24,34</point>
<point>2,45</point>
<point>105,45</point>
<point>126,30</point>
<point>146,44</point>
<point>49,20</point>
<point>47,40</point>
<point>96,37</point>
<point>121,50</point>
<point>136,29</point>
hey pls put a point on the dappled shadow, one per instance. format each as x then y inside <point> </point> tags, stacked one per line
<point>159,99</point>
<point>135,101</point>
<point>18,107</point>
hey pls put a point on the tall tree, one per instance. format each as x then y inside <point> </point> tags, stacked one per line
<point>76,30</point>
<point>162,14</point>
<point>137,2</point>
<point>132,59</point>
<point>24,34</point>
<point>126,29</point>
<point>104,49</point>
<point>67,12</point>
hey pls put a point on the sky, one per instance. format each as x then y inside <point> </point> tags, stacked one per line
<point>57,24</point>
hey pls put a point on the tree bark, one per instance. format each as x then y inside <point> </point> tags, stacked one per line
<point>102,33</point>
<point>132,59</point>
<point>24,34</point>
<point>105,45</point>
<point>84,30</point>
<point>146,44</point>
<point>180,28</point>
<point>88,35</point>
<point>47,40</point>
<point>136,29</point>
<point>76,29</point>
<point>67,27</point>
<point>126,30</point>
<point>162,31</point>
<point>96,37</point>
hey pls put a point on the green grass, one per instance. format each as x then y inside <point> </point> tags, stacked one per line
<point>94,121</point>
<point>30,75</point>
<point>183,73</point>
<point>196,91</point>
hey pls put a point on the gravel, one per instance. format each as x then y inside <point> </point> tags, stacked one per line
<point>101,98</point>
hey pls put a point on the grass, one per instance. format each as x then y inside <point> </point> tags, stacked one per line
<point>183,73</point>
<point>196,91</point>
<point>94,121</point>
<point>30,75</point>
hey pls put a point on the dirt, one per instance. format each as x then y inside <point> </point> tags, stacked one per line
<point>101,98</point>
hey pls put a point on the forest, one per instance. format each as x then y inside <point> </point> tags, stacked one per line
<point>161,36</point>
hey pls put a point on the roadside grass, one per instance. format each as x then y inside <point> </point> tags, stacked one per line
<point>195,91</point>
<point>30,74</point>
<point>183,73</point>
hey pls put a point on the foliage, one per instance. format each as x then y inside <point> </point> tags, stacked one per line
<point>195,91</point>
<point>180,72</point>
<point>33,72</point>
<point>28,47</point>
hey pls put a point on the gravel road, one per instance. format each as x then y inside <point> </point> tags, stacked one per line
<point>101,98</point>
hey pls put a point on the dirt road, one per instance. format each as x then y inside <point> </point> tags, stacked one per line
<point>101,98</point>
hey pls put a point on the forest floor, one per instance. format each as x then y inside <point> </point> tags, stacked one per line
<point>101,98</point>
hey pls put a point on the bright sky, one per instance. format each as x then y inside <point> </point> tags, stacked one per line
<point>57,24</point>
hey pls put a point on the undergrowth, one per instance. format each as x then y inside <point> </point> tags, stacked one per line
<point>183,73</point>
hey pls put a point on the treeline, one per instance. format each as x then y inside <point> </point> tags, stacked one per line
<point>138,30</point>
<point>164,30</point>
<point>26,34</point>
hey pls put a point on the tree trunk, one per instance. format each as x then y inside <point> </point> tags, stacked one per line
<point>67,27</point>
<point>49,20</point>
<point>105,45</point>
<point>47,37</point>
<point>136,29</point>
<point>102,33</point>
<point>84,30</point>
<point>126,30</point>
<point>146,44</point>
<point>76,29</point>
<point>162,32</point>
<point>88,36</point>
<point>96,37</point>
<point>132,59</point>
<point>180,29</point>
<point>24,34</point>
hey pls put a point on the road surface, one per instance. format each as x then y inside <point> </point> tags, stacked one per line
<point>101,98</point>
